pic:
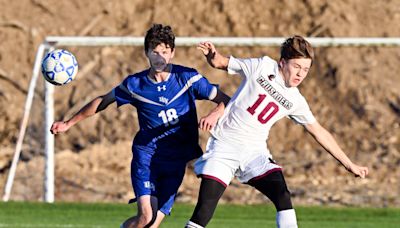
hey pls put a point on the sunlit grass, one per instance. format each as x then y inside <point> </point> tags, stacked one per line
<point>24,214</point>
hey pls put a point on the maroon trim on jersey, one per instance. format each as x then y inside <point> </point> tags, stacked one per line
<point>213,178</point>
<point>265,174</point>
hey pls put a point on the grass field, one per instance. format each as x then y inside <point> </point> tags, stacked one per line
<point>22,214</point>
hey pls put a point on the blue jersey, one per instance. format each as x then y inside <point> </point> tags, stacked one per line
<point>166,112</point>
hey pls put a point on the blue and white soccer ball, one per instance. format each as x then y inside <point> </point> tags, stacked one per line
<point>59,67</point>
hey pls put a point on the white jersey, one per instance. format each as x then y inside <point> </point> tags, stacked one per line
<point>261,100</point>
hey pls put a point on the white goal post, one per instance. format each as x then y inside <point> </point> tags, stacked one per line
<point>52,42</point>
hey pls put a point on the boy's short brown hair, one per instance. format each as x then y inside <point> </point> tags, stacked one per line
<point>159,34</point>
<point>296,47</point>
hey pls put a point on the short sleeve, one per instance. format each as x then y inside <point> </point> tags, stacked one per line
<point>302,114</point>
<point>202,88</point>
<point>244,67</point>
<point>122,94</point>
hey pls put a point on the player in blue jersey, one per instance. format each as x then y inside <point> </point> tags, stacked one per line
<point>164,96</point>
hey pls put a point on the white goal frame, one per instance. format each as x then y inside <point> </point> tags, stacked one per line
<point>52,42</point>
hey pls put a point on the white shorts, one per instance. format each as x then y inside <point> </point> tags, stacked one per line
<point>223,161</point>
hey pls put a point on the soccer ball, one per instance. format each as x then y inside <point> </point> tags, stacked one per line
<point>59,67</point>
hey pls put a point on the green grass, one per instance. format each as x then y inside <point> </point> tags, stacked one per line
<point>71,215</point>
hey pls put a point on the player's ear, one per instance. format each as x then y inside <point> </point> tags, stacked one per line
<point>281,63</point>
<point>147,53</point>
<point>173,53</point>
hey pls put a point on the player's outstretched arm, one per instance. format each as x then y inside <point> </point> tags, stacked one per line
<point>213,57</point>
<point>207,122</point>
<point>326,140</point>
<point>96,105</point>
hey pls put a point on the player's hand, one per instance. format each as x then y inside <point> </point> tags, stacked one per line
<point>358,171</point>
<point>58,127</point>
<point>208,122</point>
<point>209,51</point>
<point>206,47</point>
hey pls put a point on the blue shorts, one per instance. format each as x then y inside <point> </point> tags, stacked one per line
<point>159,179</point>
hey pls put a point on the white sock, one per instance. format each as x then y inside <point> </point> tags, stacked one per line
<point>286,219</point>
<point>191,224</point>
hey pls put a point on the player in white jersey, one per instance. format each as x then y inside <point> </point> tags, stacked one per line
<point>237,147</point>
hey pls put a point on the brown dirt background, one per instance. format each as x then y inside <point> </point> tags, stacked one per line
<point>353,91</point>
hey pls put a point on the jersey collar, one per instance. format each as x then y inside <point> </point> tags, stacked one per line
<point>155,82</point>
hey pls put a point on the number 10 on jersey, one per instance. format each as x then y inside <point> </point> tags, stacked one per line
<point>267,113</point>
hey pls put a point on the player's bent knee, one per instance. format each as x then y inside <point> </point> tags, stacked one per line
<point>146,220</point>
<point>274,187</point>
